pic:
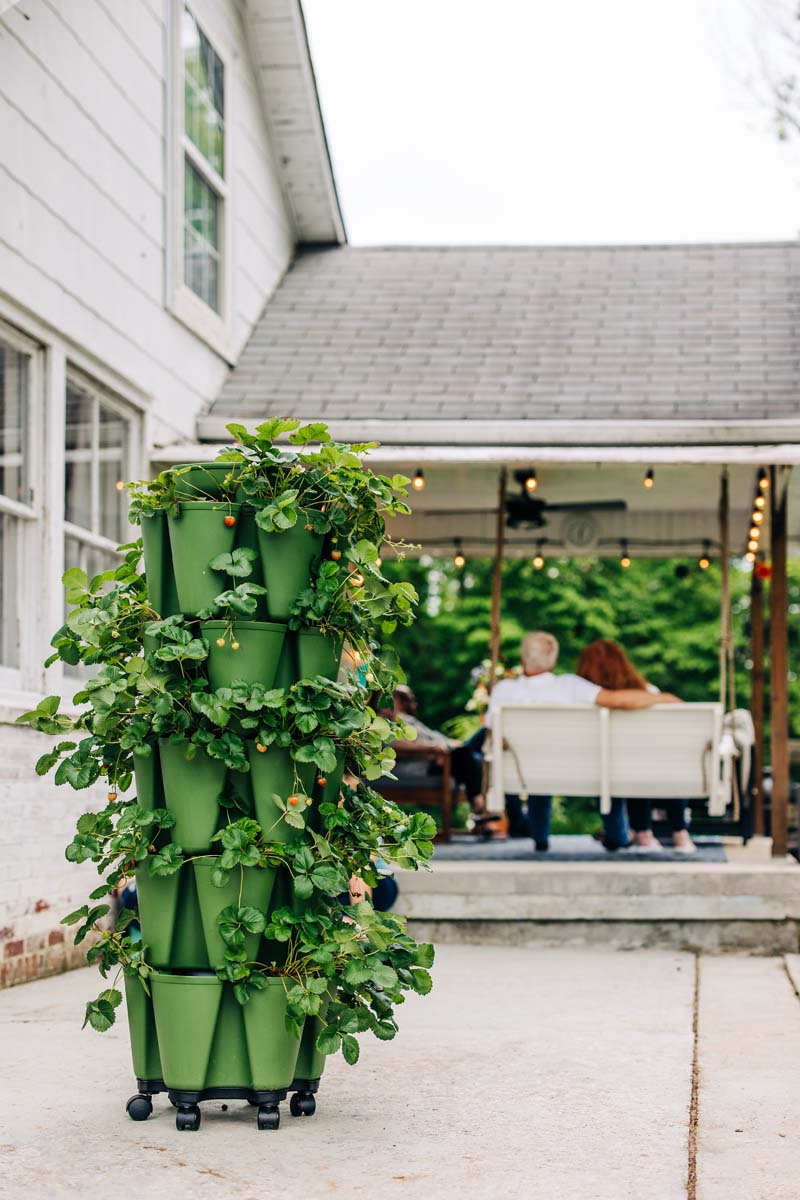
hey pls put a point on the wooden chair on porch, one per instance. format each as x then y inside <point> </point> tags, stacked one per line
<point>422,790</point>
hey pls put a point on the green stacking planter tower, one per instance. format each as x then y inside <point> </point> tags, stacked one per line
<point>189,1035</point>
<point>236,747</point>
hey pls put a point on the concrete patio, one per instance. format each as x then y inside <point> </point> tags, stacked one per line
<point>529,1072</point>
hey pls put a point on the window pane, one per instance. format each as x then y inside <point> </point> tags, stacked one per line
<point>14,382</point>
<point>200,237</point>
<point>113,452</point>
<point>78,468</point>
<point>203,93</point>
<point>9,591</point>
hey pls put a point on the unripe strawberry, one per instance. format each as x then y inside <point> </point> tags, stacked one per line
<point>220,641</point>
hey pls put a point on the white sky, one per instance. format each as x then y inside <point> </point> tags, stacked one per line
<point>547,121</point>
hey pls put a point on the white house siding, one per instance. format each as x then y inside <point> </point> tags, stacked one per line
<point>83,192</point>
<point>83,248</point>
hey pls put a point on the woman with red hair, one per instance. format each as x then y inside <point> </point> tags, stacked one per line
<point>605,663</point>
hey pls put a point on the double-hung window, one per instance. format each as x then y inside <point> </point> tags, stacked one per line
<point>98,451</point>
<point>200,180</point>
<point>18,381</point>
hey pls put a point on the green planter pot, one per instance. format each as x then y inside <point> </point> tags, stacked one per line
<point>287,672</point>
<point>311,1061</point>
<point>286,560</point>
<point>248,539</point>
<point>274,772</point>
<point>256,660</point>
<point>205,481</point>
<point>160,579</point>
<point>256,890</point>
<point>147,776</point>
<point>192,788</point>
<point>272,1050</point>
<point>170,919</point>
<point>186,1009</point>
<point>241,783</point>
<point>142,1030</point>
<point>318,654</point>
<point>229,1065</point>
<point>197,535</point>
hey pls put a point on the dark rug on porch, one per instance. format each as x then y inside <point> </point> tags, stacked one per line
<point>569,848</point>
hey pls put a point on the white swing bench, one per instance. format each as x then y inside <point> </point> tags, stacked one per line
<point>668,752</point>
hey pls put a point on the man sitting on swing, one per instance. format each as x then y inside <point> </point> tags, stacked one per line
<point>538,685</point>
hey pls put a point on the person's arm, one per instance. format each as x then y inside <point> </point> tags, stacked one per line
<point>633,698</point>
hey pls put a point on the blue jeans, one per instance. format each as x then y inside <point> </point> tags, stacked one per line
<point>615,825</point>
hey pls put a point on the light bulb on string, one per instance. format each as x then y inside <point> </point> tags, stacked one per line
<point>752,544</point>
<point>418,482</point>
<point>755,532</point>
<point>760,501</point>
<point>458,558</point>
<point>750,557</point>
<point>649,479</point>
<point>531,481</point>
<point>538,558</point>
<point>763,479</point>
<point>704,562</point>
<point>757,517</point>
<point>624,557</point>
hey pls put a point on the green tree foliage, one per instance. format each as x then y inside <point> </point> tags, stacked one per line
<point>665,612</point>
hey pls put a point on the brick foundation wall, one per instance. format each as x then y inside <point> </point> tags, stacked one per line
<point>37,884</point>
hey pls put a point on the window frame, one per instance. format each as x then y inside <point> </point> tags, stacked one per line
<point>29,516</point>
<point>40,588</point>
<point>215,328</point>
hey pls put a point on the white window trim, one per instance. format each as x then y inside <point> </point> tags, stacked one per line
<point>42,596</point>
<point>216,329</point>
<point>24,676</point>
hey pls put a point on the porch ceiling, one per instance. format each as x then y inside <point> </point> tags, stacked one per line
<point>673,518</point>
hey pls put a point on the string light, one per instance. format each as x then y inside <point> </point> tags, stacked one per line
<point>458,558</point>
<point>754,532</point>
<point>760,501</point>
<point>704,562</point>
<point>531,482</point>
<point>418,482</point>
<point>649,479</point>
<point>758,517</point>
<point>120,486</point>
<point>752,544</point>
<point>538,558</point>
<point>763,479</point>
<point>750,557</point>
<point>624,557</point>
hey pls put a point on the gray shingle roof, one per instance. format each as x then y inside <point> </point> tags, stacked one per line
<point>562,333</point>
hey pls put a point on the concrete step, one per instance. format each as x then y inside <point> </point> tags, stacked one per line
<point>748,905</point>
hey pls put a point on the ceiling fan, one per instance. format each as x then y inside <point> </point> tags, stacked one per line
<point>530,512</point>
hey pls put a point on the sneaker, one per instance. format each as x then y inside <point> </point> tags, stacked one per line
<point>653,847</point>
<point>687,848</point>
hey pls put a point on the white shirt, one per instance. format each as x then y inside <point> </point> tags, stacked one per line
<point>546,688</point>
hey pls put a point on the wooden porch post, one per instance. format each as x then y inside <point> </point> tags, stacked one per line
<point>757,696</point>
<point>779,665</point>
<point>727,683</point>
<point>497,577</point>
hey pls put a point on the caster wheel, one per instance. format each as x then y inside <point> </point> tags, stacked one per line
<point>302,1104</point>
<point>139,1107</point>
<point>268,1118</point>
<point>187,1117</point>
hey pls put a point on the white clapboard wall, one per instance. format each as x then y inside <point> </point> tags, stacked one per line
<point>83,199</point>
